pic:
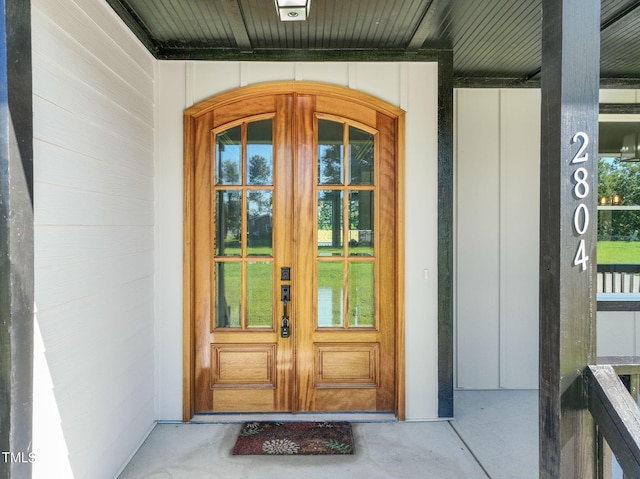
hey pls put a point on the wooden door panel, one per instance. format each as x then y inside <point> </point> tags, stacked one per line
<point>252,400</point>
<point>334,400</point>
<point>243,365</point>
<point>346,365</point>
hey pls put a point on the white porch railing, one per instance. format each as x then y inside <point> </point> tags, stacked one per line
<point>618,278</point>
<point>618,283</point>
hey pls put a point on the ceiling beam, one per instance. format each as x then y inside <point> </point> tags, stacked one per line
<point>186,53</point>
<point>494,82</point>
<point>619,15</point>
<point>620,109</point>
<point>620,83</point>
<point>425,27</point>
<point>135,24</point>
<point>499,82</point>
<point>237,25</point>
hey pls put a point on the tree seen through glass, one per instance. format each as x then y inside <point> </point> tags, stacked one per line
<point>618,222</point>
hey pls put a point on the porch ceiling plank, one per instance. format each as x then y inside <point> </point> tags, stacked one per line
<point>616,414</point>
<point>16,241</point>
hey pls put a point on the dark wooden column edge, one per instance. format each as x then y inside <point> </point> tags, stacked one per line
<point>16,242</point>
<point>616,415</point>
<point>569,99</point>
<point>620,108</point>
<point>618,305</point>
<point>445,234</point>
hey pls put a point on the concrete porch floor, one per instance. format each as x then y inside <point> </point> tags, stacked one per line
<point>494,435</point>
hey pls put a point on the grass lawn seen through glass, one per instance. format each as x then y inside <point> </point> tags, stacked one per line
<point>618,252</point>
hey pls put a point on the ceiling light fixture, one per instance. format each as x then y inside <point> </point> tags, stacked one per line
<point>293,10</point>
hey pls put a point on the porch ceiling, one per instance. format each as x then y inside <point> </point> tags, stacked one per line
<point>494,42</point>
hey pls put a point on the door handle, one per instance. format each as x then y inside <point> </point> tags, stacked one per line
<point>285,297</point>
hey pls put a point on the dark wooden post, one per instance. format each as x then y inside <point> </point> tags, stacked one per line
<point>445,234</point>
<point>16,241</point>
<point>568,191</point>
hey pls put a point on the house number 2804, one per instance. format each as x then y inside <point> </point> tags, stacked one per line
<point>581,191</point>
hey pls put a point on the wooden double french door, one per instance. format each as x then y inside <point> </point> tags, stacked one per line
<point>292,258</point>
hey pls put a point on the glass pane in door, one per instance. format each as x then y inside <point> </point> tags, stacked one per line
<point>259,294</point>
<point>361,155</point>
<point>361,294</point>
<point>259,223</point>
<point>330,294</point>
<point>228,295</point>
<point>361,231</point>
<point>330,225</point>
<point>260,153</point>
<point>228,222</point>
<point>330,153</point>
<point>228,156</point>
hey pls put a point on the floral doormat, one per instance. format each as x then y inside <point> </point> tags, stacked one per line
<point>291,438</point>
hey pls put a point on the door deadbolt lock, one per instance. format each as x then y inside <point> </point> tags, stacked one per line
<point>285,273</point>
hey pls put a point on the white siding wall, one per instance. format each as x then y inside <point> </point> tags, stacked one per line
<point>413,87</point>
<point>618,333</point>
<point>93,94</point>
<point>497,189</point>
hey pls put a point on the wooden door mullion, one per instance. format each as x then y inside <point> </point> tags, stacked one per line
<point>283,194</point>
<point>305,247</point>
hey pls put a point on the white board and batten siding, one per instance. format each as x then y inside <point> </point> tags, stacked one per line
<point>497,138</point>
<point>94,145</point>
<point>410,86</point>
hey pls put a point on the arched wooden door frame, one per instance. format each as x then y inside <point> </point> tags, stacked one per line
<point>191,140</point>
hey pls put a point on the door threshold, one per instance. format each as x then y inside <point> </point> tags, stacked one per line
<point>225,418</point>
